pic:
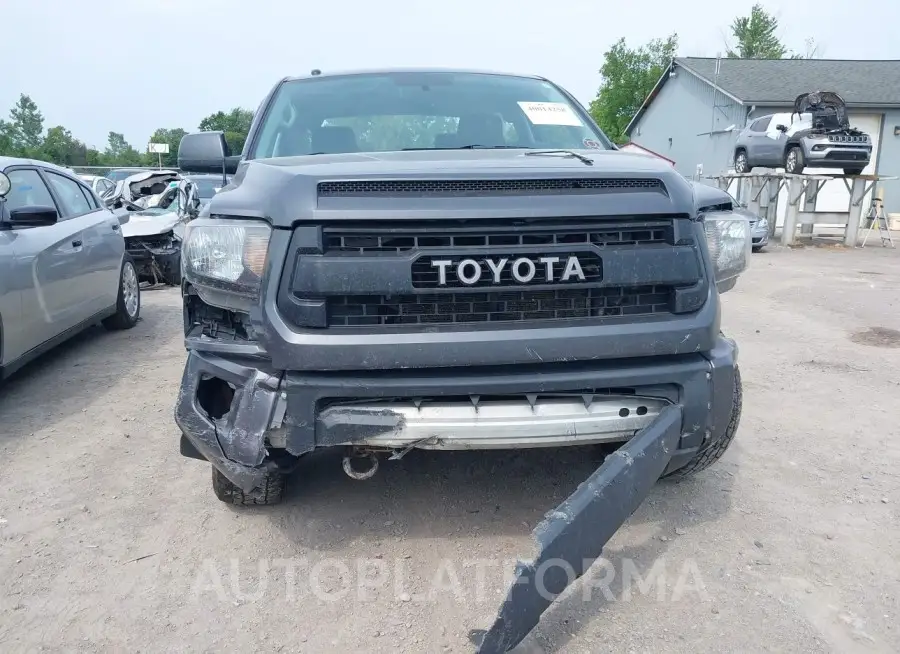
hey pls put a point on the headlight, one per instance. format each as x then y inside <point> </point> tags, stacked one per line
<point>729,247</point>
<point>225,260</point>
<point>762,223</point>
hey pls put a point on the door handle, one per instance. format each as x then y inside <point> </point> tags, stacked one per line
<point>76,243</point>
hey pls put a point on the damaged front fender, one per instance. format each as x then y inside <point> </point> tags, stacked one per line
<point>572,537</point>
<point>225,408</point>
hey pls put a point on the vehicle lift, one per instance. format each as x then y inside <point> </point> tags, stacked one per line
<point>802,190</point>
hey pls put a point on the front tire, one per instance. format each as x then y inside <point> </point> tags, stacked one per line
<point>793,160</point>
<point>714,451</point>
<point>268,493</point>
<point>741,164</point>
<point>128,305</point>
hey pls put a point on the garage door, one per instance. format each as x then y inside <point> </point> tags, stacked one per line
<point>833,196</point>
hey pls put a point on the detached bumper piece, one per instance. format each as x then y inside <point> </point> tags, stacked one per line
<point>572,537</point>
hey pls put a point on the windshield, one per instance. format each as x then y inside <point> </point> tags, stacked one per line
<point>411,111</point>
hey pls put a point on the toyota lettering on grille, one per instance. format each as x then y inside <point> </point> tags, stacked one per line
<point>523,270</point>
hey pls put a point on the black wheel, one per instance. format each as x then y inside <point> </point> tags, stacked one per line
<point>793,160</point>
<point>853,171</point>
<point>741,164</point>
<point>714,451</point>
<point>757,248</point>
<point>268,493</point>
<point>128,306</point>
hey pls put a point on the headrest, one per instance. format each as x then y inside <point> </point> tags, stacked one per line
<point>480,129</point>
<point>445,140</point>
<point>334,140</point>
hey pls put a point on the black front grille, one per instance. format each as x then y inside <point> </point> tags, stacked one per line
<point>497,307</point>
<point>483,187</point>
<point>364,239</point>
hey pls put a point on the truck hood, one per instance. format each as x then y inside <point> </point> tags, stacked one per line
<point>151,223</point>
<point>485,184</point>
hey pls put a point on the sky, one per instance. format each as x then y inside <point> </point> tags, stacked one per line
<point>132,66</point>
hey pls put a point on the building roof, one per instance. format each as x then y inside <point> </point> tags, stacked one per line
<point>780,81</point>
<point>861,82</point>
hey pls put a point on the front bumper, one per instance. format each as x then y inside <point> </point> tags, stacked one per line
<point>836,156</point>
<point>298,411</point>
<point>759,236</point>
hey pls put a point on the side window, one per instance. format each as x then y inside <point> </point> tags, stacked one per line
<point>782,119</point>
<point>27,190</point>
<point>74,202</point>
<point>761,124</point>
<point>90,198</point>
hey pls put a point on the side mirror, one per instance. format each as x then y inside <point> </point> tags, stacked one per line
<point>33,216</point>
<point>781,128</point>
<point>206,152</point>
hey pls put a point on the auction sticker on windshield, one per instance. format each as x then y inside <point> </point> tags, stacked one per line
<point>550,113</point>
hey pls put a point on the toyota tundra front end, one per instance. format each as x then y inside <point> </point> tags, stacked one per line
<point>454,260</point>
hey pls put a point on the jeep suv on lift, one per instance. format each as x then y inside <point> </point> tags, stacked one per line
<point>817,134</point>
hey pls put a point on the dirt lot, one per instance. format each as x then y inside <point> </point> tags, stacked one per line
<point>110,540</point>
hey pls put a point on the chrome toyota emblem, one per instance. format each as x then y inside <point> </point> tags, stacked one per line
<point>524,270</point>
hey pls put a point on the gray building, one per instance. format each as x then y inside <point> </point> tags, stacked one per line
<point>693,114</point>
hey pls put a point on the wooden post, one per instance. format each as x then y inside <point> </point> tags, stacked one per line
<point>795,190</point>
<point>813,186</point>
<point>857,191</point>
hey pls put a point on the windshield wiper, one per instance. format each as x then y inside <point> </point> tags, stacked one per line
<point>569,153</point>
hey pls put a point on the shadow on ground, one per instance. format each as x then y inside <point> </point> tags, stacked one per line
<point>78,372</point>
<point>439,495</point>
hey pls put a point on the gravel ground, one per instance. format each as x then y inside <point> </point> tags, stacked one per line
<point>110,540</point>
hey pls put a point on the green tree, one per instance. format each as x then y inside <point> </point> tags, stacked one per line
<point>27,126</point>
<point>60,147</point>
<point>756,36</point>
<point>6,140</point>
<point>627,77</point>
<point>235,124</point>
<point>173,138</point>
<point>120,153</point>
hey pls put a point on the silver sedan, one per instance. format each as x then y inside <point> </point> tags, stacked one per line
<point>63,265</point>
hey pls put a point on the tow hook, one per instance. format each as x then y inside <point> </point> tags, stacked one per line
<point>366,464</point>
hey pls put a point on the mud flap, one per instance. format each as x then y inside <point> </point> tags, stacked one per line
<point>572,537</point>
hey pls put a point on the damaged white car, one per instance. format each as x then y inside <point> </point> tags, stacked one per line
<point>153,207</point>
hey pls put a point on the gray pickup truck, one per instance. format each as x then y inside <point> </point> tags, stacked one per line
<point>453,260</point>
